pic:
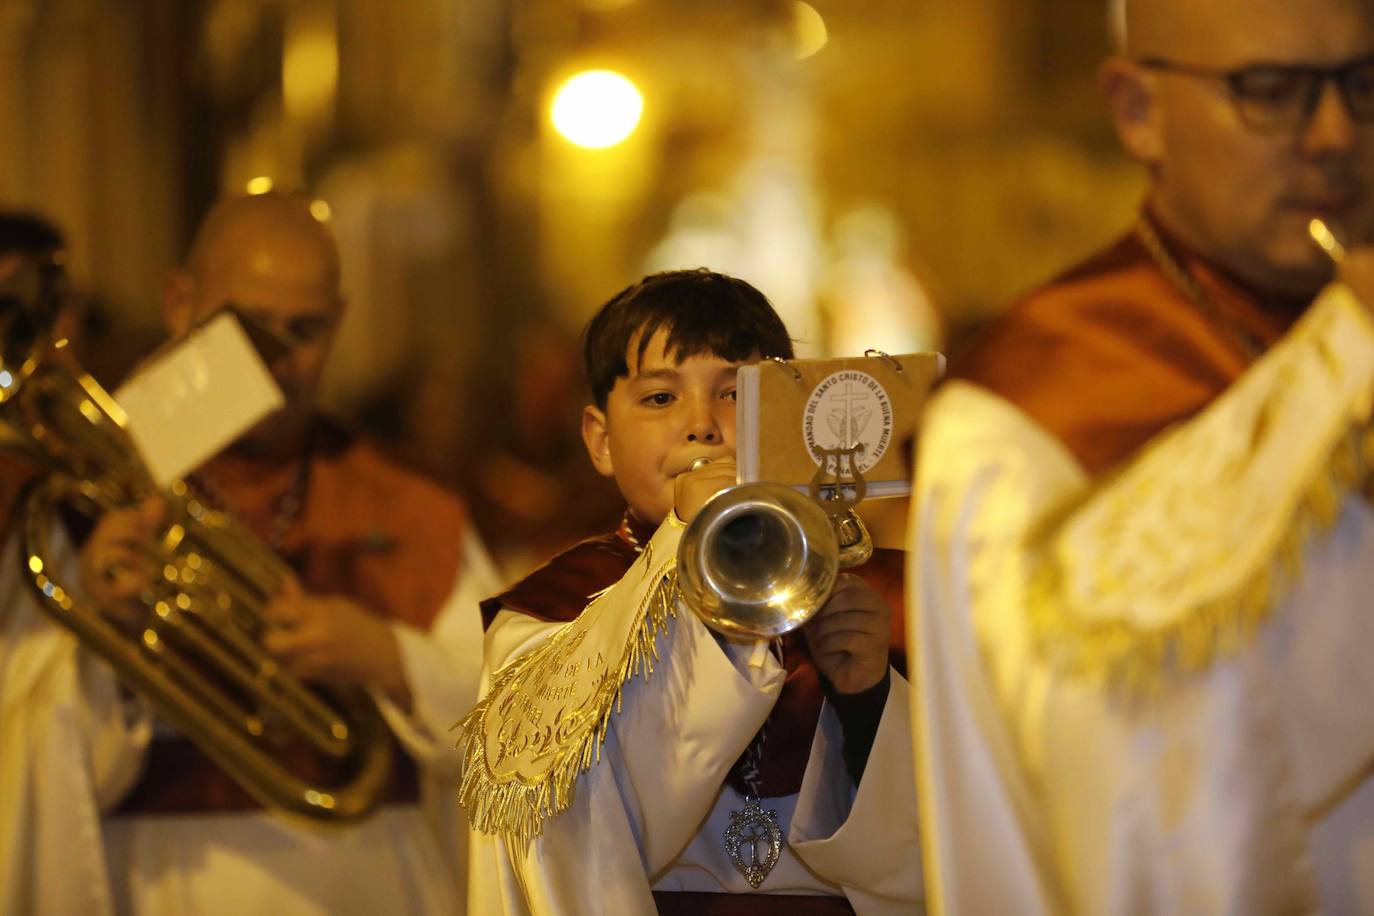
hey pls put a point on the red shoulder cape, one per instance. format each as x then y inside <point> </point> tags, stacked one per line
<point>1111,353</point>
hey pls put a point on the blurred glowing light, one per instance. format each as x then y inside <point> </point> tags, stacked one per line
<point>809,34</point>
<point>310,67</point>
<point>320,210</point>
<point>260,185</point>
<point>597,109</point>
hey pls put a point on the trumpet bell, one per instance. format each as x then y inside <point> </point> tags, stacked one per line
<point>757,561</point>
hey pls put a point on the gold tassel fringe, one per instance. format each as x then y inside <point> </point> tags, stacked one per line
<point>1135,659</point>
<point>517,810</point>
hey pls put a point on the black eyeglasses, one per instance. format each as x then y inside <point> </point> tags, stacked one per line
<point>1279,97</point>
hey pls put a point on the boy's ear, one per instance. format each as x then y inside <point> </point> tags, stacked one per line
<point>595,437</point>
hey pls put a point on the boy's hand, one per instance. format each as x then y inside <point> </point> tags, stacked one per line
<point>691,489</point>
<point>850,635</point>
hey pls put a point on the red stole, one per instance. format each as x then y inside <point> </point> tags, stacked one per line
<point>1111,353</point>
<point>560,590</point>
<point>369,529</point>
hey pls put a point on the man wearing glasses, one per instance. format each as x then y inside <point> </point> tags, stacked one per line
<point>1145,549</point>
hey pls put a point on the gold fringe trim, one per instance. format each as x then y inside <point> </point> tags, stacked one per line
<point>517,810</point>
<point>1134,659</point>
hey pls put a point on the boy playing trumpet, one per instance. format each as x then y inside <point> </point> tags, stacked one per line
<point>625,758</point>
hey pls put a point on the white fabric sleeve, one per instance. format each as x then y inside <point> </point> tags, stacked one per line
<point>669,747</point>
<point>442,666</point>
<point>71,744</point>
<point>1105,672</point>
<point>866,839</point>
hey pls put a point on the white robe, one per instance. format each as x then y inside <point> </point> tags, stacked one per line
<point>650,814</point>
<point>71,744</point>
<point>1069,762</point>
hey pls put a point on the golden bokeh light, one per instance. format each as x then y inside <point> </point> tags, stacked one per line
<point>320,210</point>
<point>260,185</point>
<point>310,64</point>
<point>809,33</point>
<point>596,109</point>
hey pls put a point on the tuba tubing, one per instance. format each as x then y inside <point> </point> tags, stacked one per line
<point>196,656</point>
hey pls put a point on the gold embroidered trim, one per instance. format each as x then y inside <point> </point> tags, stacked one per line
<point>1134,658</point>
<point>514,808</point>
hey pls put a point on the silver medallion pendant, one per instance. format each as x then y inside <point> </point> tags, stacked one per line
<point>753,841</point>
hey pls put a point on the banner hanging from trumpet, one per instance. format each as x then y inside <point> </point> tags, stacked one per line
<point>847,417</point>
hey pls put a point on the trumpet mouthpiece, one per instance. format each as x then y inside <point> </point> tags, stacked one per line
<point>1326,240</point>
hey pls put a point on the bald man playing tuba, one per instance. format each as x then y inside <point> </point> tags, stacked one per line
<point>1144,541</point>
<point>109,809</point>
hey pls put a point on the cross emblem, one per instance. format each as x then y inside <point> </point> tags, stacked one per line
<point>756,831</point>
<point>846,422</point>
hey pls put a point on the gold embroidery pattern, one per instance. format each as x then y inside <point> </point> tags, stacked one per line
<point>543,722</point>
<point>1132,656</point>
<point>1111,598</point>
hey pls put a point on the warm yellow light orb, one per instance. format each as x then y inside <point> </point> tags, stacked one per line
<point>809,33</point>
<point>597,109</point>
<point>260,185</point>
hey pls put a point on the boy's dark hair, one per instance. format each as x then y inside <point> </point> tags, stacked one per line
<point>704,312</point>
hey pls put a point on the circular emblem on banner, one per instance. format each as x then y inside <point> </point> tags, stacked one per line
<point>846,408</point>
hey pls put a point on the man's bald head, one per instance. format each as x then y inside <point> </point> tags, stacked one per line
<point>239,229</point>
<point>1226,33</point>
<point>268,257</point>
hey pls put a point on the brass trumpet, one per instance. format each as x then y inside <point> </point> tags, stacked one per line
<point>196,656</point>
<point>760,559</point>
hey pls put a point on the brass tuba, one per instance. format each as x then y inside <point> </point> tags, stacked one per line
<point>196,655</point>
<point>760,559</point>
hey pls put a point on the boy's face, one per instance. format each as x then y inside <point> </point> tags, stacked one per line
<point>660,419</point>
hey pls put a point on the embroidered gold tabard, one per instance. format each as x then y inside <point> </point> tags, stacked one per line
<point>542,723</point>
<point>1125,595</point>
<point>559,682</point>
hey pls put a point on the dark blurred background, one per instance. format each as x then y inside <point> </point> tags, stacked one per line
<point>889,172</point>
